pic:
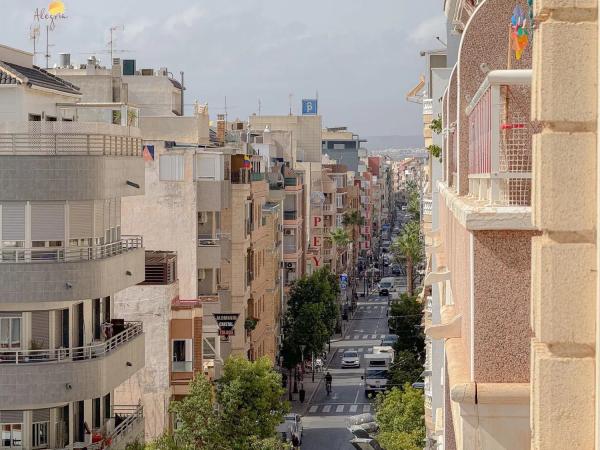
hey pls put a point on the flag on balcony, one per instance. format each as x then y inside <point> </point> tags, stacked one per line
<point>519,32</point>
<point>247,163</point>
<point>148,153</point>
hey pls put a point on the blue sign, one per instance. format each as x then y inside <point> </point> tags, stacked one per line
<point>343,277</point>
<point>309,107</point>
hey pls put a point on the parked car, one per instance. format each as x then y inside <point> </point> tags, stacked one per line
<point>418,385</point>
<point>396,269</point>
<point>350,359</point>
<point>389,340</point>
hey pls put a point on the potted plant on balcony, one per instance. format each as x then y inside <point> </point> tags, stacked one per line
<point>250,324</point>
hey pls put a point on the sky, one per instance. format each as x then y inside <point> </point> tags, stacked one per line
<point>361,56</point>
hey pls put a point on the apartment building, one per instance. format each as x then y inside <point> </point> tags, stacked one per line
<point>152,302</point>
<point>342,146</point>
<point>480,251</point>
<point>63,348</point>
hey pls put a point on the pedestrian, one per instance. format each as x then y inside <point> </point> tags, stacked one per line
<point>295,440</point>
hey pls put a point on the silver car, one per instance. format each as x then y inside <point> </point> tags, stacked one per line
<point>350,359</point>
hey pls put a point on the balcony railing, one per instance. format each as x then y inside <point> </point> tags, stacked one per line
<point>70,254</point>
<point>181,366</point>
<point>257,176</point>
<point>427,106</point>
<point>290,181</point>
<point>70,138</point>
<point>427,206</point>
<point>61,355</point>
<point>126,417</point>
<point>500,160</point>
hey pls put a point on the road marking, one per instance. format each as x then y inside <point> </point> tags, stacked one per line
<point>353,408</point>
<point>360,350</point>
<point>339,409</point>
<point>365,336</point>
<point>366,408</point>
<point>326,408</point>
<point>356,336</point>
<point>313,409</point>
<point>382,336</point>
<point>356,398</point>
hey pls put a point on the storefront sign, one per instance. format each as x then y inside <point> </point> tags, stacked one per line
<point>226,322</point>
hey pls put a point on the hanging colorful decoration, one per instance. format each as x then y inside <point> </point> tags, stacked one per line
<point>519,31</point>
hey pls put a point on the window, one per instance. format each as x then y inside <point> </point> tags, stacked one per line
<point>39,437</point>
<point>182,355</point>
<point>209,346</point>
<point>10,332</point>
<point>96,423</point>
<point>11,435</point>
<point>171,167</point>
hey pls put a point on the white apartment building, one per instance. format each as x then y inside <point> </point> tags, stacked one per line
<point>63,351</point>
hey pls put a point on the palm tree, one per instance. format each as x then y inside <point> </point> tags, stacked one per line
<point>352,219</point>
<point>340,238</point>
<point>410,247</point>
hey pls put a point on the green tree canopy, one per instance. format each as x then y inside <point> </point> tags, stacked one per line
<point>242,414</point>
<point>400,414</point>
<point>405,320</point>
<point>409,246</point>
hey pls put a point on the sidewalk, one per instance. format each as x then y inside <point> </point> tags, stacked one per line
<point>310,387</point>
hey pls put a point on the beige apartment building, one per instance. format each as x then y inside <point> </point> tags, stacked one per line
<point>64,350</point>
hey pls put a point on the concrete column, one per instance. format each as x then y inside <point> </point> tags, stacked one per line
<point>564,207</point>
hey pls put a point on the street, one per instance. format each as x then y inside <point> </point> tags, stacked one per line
<point>325,420</point>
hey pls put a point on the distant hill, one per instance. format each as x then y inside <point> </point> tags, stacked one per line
<point>376,143</point>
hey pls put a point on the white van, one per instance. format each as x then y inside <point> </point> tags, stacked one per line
<point>385,286</point>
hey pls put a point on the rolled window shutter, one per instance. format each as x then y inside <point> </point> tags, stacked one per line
<point>13,221</point>
<point>113,213</point>
<point>47,221</point>
<point>41,415</point>
<point>98,218</point>
<point>81,217</point>
<point>11,416</point>
<point>40,327</point>
<point>165,170</point>
<point>106,214</point>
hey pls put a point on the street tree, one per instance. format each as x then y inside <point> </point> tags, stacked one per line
<point>409,247</point>
<point>400,415</point>
<point>341,239</point>
<point>241,413</point>
<point>405,320</point>
<point>407,368</point>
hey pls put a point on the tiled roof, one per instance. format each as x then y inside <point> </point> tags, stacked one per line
<point>34,75</point>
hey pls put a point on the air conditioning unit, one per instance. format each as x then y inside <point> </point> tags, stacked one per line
<point>289,265</point>
<point>203,217</point>
<point>289,232</point>
<point>201,274</point>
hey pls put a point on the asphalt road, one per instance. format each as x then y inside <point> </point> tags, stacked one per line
<point>325,421</point>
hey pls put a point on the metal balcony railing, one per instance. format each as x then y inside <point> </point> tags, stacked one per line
<point>70,254</point>
<point>70,138</point>
<point>500,159</point>
<point>427,106</point>
<point>290,215</point>
<point>427,206</point>
<point>181,366</point>
<point>61,355</point>
<point>126,417</point>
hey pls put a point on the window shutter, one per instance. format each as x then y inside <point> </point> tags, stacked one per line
<point>41,415</point>
<point>113,213</point>
<point>118,211</point>
<point>188,350</point>
<point>40,327</point>
<point>47,221</point>
<point>11,416</point>
<point>106,214</point>
<point>81,216</point>
<point>205,166</point>
<point>98,218</point>
<point>171,167</point>
<point>13,221</point>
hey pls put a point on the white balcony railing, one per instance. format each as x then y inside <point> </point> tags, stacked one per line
<point>500,160</point>
<point>69,138</point>
<point>427,106</point>
<point>129,416</point>
<point>70,254</point>
<point>61,355</point>
<point>427,206</point>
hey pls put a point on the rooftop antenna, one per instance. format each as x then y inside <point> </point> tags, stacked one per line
<point>34,34</point>
<point>112,41</point>
<point>290,98</point>
<point>226,110</point>
<point>259,106</point>
<point>47,55</point>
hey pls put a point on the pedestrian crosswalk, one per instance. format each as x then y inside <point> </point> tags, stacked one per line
<point>340,409</point>
<point>358,349</point>
<point>357,337</point>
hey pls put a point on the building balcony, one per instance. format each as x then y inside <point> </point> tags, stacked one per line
<point>56,376</point>
<point>211,250</point>
<point>329,187</point>
<point>70,273</point>
<point>292,183</point>
<point>93,160</point>
<point>290,216</point>
<point>328,208</point>
<point>500,159</point>
<point>128,427</point>
<point>427,106</point>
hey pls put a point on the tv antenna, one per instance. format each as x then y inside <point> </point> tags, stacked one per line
<point>111,43</point>
<point>48,45</point>
<point>34,34</point>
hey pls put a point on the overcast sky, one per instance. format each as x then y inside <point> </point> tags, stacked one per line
<point>362,56</point>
